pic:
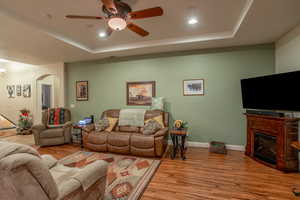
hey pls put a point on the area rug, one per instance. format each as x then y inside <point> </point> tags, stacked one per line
<point>127,176</point>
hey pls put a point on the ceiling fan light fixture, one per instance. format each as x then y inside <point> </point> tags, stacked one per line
<point>102,34</point>
<point>117,23</point>
<point>193,21</point>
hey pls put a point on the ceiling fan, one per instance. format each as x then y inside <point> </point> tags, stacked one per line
<point>119,15</point>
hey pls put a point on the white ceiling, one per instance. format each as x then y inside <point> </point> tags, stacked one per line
<point>29,35</point>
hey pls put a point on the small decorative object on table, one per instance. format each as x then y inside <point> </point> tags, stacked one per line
<point>179,131</point>
<point>25,122</point>
<point>217,147</point>
<point>180,124</point>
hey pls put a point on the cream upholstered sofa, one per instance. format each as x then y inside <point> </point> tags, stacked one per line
<point>25,175</point>
<point>45,136</point>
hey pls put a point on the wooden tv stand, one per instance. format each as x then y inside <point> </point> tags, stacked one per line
<point>284,130</point>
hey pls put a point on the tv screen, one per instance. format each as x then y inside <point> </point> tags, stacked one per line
<point>275,92</point>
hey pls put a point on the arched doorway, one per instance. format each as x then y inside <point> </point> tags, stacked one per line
<point>46,94</point>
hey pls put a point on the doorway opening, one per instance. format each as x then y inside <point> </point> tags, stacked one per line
<point>46,96</point>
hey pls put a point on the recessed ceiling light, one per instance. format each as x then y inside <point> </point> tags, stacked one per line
<point>3,60</point>
<point>102,34</point>
<point>193,21</point>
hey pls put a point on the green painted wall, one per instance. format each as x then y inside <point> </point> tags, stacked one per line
<point>216,116</point>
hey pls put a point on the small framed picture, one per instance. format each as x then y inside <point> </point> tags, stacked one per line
<point>19,90</point>
<point>140,93</point>
<point>82,90</point>
<point>27,90</point>
<point>193,87</point>
<point>11,91</point>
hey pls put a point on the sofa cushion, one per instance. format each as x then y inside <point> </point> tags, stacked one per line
<point>142,141</point>
<point>101,125</point>
<point>151,127</point>
<point>130,129</point>
<point>159,119</point>
<point>97,137</point>
<point>119,139</point>
<point>142,152</point>
<point>112,123</point>
<point>52,132</point>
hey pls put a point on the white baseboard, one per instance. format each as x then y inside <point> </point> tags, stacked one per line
<point>206,145</point>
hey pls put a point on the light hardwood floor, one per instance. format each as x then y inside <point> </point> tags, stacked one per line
<point>211,177</point>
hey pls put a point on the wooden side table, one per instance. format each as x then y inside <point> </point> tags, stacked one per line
<point>176,135</point>
<point>79,135</point>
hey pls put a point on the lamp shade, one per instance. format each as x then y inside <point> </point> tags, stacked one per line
<point>117,23</point>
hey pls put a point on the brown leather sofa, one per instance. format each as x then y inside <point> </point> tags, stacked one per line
<point>128,139</point>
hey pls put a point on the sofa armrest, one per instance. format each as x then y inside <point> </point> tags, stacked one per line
<point>89,128</point>
<point>161,132</point>
<point>38,128</point>
<point>49,161</point>
<point>91,173</point>
<point>67,124</point>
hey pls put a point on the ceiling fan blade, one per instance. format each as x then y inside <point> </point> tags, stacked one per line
<point>110,5</point>
<point>137,29</point>
<point>151,12</point>
<point>82,17</point>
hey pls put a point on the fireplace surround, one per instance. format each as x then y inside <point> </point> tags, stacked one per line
<point>269,141</point>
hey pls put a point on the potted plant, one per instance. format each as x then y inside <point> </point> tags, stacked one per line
<point>180,124</point>
<point>25,122</point>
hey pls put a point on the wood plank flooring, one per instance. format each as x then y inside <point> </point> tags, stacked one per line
<point>211,177</point>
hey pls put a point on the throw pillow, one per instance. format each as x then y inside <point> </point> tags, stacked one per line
<point>112,124</point>
<point>56,117</point>
<point>157,103</point>
<point>159,119</point>
<point>151,127</point>
<point>102,125</point>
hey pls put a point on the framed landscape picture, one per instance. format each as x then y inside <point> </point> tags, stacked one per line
<point>193,87</point>
<point>140,93</point>
<point>82,90</point>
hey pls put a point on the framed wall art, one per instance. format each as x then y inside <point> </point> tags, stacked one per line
<point>140,93</point>
<point>11,91</point>
<point>193,87</point>
<point>19,90</point>
<point>82,90</point>
<point>27,90</point>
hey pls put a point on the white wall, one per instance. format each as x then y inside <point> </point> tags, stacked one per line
<point>288,52</point>
<point>19,73</point>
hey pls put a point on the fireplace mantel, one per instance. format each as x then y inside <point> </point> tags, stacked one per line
<point>284,129</point>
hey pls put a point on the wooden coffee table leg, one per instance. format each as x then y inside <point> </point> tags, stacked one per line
<point>81,139</point>
<point>182,147</point>
<point>173,154</point>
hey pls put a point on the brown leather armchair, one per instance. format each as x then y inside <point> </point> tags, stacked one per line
<point>128,139</point>
<point>45,136</point>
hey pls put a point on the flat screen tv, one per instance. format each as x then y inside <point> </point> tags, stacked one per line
<point>275,92</point>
